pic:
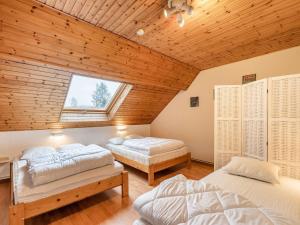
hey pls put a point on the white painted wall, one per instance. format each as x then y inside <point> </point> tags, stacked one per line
<point>13,142</point>
<point>195,125</point>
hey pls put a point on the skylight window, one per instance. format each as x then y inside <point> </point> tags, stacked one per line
<point>90,93</point>
<point>93,99</point>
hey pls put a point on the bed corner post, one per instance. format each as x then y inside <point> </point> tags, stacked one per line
<point>16,214</point>
<point>124,184</point>
<point>151,175</point>
<point>189,160</point>
<point>16,211</point>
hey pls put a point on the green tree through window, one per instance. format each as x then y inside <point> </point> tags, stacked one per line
<point>100,96</point>
<point>74,102</point>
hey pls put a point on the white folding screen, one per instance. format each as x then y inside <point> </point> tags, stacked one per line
<point>227,124</point>
<point>284,124</point>
<point>254,119</point>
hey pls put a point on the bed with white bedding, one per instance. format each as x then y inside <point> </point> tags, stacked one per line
<point>150,154</point>
<point>239,200</point>
<point>25,191</point>
<point>49,181</point>
<point>265,203</point>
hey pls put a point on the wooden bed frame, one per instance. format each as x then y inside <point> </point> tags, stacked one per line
<point>21,211</point>
<point>153,168</point>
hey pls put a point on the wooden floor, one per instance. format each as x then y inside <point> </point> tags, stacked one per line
<point>105,208</point>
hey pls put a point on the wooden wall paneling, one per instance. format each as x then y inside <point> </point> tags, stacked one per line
<point>64,41</point>
<point>32,96</point>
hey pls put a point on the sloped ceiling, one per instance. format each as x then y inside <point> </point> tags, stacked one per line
<point>219,32</point>
<point>41,49</point>
<point>32,96</point>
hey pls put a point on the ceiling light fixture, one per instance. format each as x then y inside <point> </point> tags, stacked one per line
<point>178,7</point>
<point>140,32</point>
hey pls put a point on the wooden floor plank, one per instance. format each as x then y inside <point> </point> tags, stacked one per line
<point>107,208</point>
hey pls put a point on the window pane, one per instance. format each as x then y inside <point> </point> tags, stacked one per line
<point>90,93</point>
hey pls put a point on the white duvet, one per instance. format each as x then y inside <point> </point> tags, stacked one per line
<point>153,145</point>
<point>66,163</point>
<point>194,202</point>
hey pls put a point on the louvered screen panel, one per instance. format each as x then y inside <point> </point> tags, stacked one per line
<point>284,124</point>
<point>227,132</point>
<point>254,119</point>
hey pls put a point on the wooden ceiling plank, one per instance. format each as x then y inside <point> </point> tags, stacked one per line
<point>77,7</point>
<point>28,74</point>
<point>106,5</point>
<point>136,9</point>
<point>138,19</point>
<point>69,6</point>
<point>117,15</point>
<point>59,4</point>
<point>94,11</point>
<point>86,8</point>
<point>51,2</point>
<point>111,11</point>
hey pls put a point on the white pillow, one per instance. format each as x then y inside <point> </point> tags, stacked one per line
<point>37,152</point>
<point>253,168</point>
<point>116,140</point>
<point>133,136</point>
<point>69,147</point>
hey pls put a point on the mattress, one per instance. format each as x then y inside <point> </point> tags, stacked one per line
<point>283,198</point>
<point>24,191</point>
<point>145,159</point>
<point>153,145</point>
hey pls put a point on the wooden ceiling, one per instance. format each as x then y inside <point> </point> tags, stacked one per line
<point>32,31</point>
<point>40,49</point>
<point>219,32</point>
<point>32,96</point>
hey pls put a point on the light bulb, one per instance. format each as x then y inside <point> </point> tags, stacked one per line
<point>180,20</point>
<point>181,24</point>
<point>140,32</point>
<point>190,10</point>
<point>166,14</point>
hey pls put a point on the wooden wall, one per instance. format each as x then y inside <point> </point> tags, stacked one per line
<point>32,96</point>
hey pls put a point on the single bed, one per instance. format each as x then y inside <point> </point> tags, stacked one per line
<point>283,198</point>
<point>28,201</point>
<point>151,155</point>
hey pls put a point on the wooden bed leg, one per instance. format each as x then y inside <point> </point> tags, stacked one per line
<point>189,161</point>
<point>124,184</point>
<point>151,176</point>
<point>16,214</point>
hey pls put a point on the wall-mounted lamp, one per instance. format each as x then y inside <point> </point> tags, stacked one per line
<point>121,130</point>
<point>121,127</point>
<point>57,133</point>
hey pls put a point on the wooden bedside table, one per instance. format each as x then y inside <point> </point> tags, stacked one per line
<point>4,168</point>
